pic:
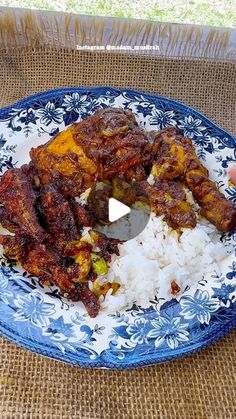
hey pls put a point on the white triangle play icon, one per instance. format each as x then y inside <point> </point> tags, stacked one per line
<point>116,210</point>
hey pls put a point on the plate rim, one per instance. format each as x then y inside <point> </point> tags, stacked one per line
<point>56,355</point>
<point>151,359</point>
<point>86,89</point>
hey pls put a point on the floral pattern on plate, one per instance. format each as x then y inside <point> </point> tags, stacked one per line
<point>36,317</point>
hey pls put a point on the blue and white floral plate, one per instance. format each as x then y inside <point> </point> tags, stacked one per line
<point>36,318</point>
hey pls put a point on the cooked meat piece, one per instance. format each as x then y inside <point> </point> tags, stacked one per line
<point>106,245</point>
<point>38,260</point>
<point>113,139</point>
<point>83,217</point>
<point>18,200</point>
<point>47,265</point>
<point>174,154</point>
<point>107,143</point>
<point>57,216</point>
<point>90,301</point>
<point>31,172</point>
<point>178,159</point>
<point>63,163</point>
<point>15,247</point>
<point>168,198</point>
<point>137,173</point>
<point>215,207</point>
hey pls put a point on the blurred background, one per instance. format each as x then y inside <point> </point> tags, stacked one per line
<point>214,13</point>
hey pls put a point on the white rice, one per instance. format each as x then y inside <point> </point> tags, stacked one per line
<point>150,262</point>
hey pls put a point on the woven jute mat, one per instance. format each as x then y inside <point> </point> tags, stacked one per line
<point>199,386</point>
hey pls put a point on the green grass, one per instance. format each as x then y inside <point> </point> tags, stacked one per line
<point>215,12</point>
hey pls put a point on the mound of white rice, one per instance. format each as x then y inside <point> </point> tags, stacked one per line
<point>159,255</point>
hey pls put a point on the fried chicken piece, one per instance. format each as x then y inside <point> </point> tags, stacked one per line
<point>168,198</point>
<point>173,155</point>
<point>177,159</point>
<point>18,200</point>
<point>113,139</point>
<point>107,143</point>
<point>214,206</point>
<point>137,173</point>
<point>57,216</point>
<point>63,163</point>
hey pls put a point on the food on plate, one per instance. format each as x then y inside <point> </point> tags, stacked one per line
<point>57,216</point>
<point>50,207</point>
<point>108,143</point>
<point>51,268</point>
<point>168,198</point>
<point>177,159</point>
<point>17,211</point>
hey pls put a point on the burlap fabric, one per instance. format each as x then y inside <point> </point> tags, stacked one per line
<point>200,386</point>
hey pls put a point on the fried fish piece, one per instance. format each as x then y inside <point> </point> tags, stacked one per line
<point>18,199</point>
<point>88,298</point>
<point>37,259</point>
<point>15,246</point>
<point>176,159</point>
<point>48,266</point>
<point>83,216</point>
<point>45,264</point>
<point>57,216</point>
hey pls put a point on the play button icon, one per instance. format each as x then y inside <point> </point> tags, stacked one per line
<point>116,210</point>
<point>120,209</point>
